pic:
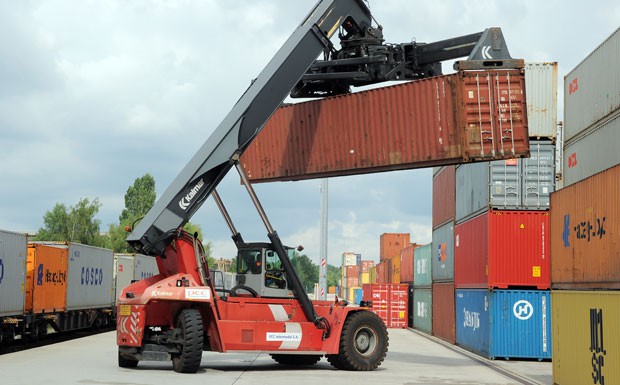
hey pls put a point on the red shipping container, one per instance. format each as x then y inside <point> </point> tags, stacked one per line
<point>392,243</point>
<point>389,302</point>
<point>406,264</point>
<point>352,271</point>
<point>366,265</point>
<point>503,249</point>
<point>456,118</point>
<point>444,320</point>
<point>351,282</point>
<point>444,196</point>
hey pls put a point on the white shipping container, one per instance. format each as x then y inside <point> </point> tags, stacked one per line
<point>541,93</point>
<point>349,259</point>
<point>592,89</point>
<point>13,253</point>
<point>132,267</point>
<point>594,152</point>
<point>90,277</point>
<point>145,267</point>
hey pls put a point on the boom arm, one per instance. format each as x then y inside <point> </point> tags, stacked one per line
<point>222,149</point>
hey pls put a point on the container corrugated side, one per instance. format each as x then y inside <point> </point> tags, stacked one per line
<point>390,244</point>
<point>389,302</point>
<point>471,249</point>
<point>443,311</point>
<point>594,152</point>
<point>444,199</point>
<point>422,309</point>
<point>586,337</point>
<point>585,223</point>
<point>406,264</point>
<point>448,119</point>
<point>422,276</point>
<point>124,268</point>
<point>442,256</point>
<point>592,88</point>
<point>13,254</point>
<point>519,249</point>
<point>145,267</point>
<point>46,278</point>
<point>514,184</point>
<point>89,277</point>
<point>541,84</point>
<point>504,323</point>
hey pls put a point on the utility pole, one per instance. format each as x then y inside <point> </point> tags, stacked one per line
<point>323,239</point>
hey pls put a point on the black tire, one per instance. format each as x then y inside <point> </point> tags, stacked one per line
<point>363,343</point>
<point>125,362</point>
<point>296,359</point>
<point>191,330</point>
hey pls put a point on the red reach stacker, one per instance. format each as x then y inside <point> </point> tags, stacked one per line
<point>182,311</point>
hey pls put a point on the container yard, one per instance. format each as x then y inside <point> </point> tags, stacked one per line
<point>513,277</point>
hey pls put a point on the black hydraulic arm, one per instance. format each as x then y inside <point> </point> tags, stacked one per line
<point>228,141</point>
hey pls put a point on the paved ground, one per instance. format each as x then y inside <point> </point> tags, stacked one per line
<point>412,359</point>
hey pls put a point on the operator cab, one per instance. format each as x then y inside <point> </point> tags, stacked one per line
<point>260,272</point>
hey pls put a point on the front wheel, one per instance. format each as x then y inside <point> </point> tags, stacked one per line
<point>189,324</point>
<point>126,362</point>
<point>363,343</point>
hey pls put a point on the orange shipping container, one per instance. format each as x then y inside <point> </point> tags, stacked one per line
<point>585,224</point>
<point>392,243</point>
<point>46,278</point>
<point>381,272</point>
<point>395,270</point>
<point>462,117</point>
<point>366,265</point>
<point>406,263</point>
<point>351,271</point>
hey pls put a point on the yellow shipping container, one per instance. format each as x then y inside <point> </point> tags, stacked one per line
<point>364,278</point>
<point>372,273</point>
<point>586,337</point>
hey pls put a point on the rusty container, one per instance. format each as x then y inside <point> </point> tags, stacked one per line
<point>406,264</point>
<point>462,117</point>
<point>585,223</point>
<point>444,196</point>
<point>366,265</point>
<point>395,269</point>
<point>444,321</point>
<point>392,243</point>
<point>46,278</point>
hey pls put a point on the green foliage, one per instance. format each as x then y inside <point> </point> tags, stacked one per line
<point>76,224</point>
<point>333,275</point>
<point>139,199</point>
<point>307,271</point>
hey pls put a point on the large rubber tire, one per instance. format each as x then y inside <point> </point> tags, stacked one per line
<point>363,343</point>
<point>296,359</point>
<point>126,363</point>
<point>189,323</point>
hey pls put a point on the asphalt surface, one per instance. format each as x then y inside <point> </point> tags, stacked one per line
<point>413,358</point>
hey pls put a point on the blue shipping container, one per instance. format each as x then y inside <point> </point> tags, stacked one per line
<point>358,295</point>
<point>504,323</point>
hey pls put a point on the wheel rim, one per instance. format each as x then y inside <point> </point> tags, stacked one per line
<point>365,341</point>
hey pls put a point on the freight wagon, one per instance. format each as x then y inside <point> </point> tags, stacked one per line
<point>58,286</point>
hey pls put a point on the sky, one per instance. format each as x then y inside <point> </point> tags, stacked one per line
<point>94,94</point>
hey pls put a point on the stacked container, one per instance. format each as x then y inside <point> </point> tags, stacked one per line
<point>389,302</point>
<point>422,304</point>
<point>585,221</point>
<point>501,238</point>
<point>391,245</point>
<point>441,294</point>
<point>351,269</point>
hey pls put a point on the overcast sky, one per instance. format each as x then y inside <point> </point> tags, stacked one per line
<point>94,94</point>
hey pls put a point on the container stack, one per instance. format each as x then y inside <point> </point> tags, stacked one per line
<point>391,245</point>
<point>442,254</point>
<point>585,222</point>
<point>501,238</point>
<point>406,275</point>
<point>350,275</point>
<point>422,304</point>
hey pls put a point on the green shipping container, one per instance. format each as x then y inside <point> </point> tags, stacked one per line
<point>422,263</point>
<point>422,309</point>
<point>586,337</point>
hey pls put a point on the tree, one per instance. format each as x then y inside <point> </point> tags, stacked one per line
<point>76,224</point>
<point>307,271</point>
<point>333,275</point>
<point>139,199</point>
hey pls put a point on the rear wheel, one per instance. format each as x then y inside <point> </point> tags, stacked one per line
<point>190,328</point>
<point>363,343</point>
<point>296,359</point>
<point>125,362</point>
